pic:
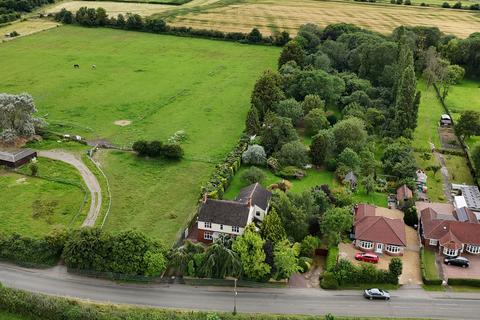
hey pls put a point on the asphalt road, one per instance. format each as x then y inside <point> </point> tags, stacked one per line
<point>404,302</point>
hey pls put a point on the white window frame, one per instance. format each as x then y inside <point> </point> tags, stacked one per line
<point>208,235</point>
<point>208,225</point>
<point>433,242</point>
<point>450,252</point>
<point>393,248</point>
<point>473,249</point>
<point>366,244</point>
<point>235,229</point>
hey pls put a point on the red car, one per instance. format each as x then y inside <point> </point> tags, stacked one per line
<point>366,257</point>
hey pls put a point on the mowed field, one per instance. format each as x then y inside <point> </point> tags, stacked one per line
<point>276,15</point>
<point>161,84</point>
<point>34,206</point>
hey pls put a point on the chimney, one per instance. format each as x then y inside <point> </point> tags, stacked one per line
<point>250,202</point>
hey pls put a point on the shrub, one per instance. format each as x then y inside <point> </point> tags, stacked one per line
<point>410,216</point>
<point>464,282</point>
<point>292,172</point>
<point>395,267</point>
<point>332,257</point>
<point>33,167</point>
<point>308,246</point>
<point>172,151</point>
<point>423,4</point>
<point>304,263</point>
<point>255,154</point>
<point>407,2</point>
<point>253,175</point>
<point>315,121</point>
<point>254,36</point>
<point>475,6</point>
<point>399,1</point>
<point>445,5</point>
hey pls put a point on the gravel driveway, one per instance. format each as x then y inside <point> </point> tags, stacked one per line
<point>88,177</point>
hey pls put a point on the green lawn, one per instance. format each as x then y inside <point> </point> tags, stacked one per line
<point>431,270</point>
<point>429,113</point>
<point>161,84</point>
<point>33,206</point>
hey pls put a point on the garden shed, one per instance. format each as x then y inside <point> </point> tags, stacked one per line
<point>15,158</point>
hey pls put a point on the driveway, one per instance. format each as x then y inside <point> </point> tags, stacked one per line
<point>411,257</point>
<point>88,177</point>
<point>473,271</point>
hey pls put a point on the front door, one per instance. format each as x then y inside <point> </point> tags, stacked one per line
<point>379,248</point>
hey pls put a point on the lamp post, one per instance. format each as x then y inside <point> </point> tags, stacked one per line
<point>235,297</point>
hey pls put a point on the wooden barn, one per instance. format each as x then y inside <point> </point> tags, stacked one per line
<point>15,158</point>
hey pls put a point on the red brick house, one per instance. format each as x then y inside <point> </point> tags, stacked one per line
<point>378,233</point>
<point>217,217</point>
<point>450,233</point>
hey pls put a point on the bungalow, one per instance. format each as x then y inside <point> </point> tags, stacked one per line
<point>217,217</point>
<point>468,196</point>
<point>403,194</point>
<point>450,233</point>
<point>378,233</point>
<point>15,158</point>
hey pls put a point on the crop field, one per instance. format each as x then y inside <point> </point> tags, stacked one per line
<point>270,16</point>
<point>33,206</point>
<point>27,27</point>
<point>159,85</point>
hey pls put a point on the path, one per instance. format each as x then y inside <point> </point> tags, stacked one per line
<point>409,302</point>
<point>447,188</point>
<point>89,178</point>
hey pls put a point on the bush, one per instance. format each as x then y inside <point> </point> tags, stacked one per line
<point>329,281</point>
<point>457,5</point>
<point>407,2</point>
<point>410,216</point>
<point>255,154</point>
<point>399,2</point>
<point>475,6</point>
<point>464,282</point>
<point>156,149</point>
<point>172,151</point>
<point>445,5</point>
<point>308,246</point>
<point>253,175</point>
<point>292,172</point>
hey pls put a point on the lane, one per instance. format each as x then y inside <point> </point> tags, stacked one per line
<point>404,303</point>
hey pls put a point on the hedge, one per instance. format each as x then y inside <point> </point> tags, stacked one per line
<point>40,306</point>
<point>331,260</point>
<point>464,282</point>
<point>33,252</point>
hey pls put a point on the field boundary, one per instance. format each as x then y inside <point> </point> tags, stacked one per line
<point>176,3</point>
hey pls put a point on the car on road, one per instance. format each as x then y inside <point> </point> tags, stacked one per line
<point>457,261</point>
<point>366,257</point>
<point>375,293</point>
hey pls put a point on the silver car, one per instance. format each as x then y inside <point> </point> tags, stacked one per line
<point>375,293</point>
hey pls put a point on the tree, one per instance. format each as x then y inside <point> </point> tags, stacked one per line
<point>304,82</point>
<point>368,163</point>
<point>253,123</point>
<point>181,256</point>
<point>267,92</point>
<point>133,22</point>
<point>286,259</point>
<point>101,17</point>
<point>312,101</point>
<point>294,218</point>
<point>334,222</point>
<point>398,160</point>
<point>293,154</point>
<point>272,228</point>
<point>172,151</point>
<point>350,133</point>
<point>322,147</point>
<point>292,51</point>
<point>276,132</point>
<point>16,117</point>
<point>410,216</point>
<point>315,121</point>
<point>348,159</point>
<point>406,105</point>
<point>253,175</point>
<point>254,36</point>
<point>368,182</point>
<point>141,147</point>
<point>468,124</point>
<point>249,247</point>
<point>291,109</point>
<point>255,154</point>
<point>221,261</point>
<point>308,246</point>
<point>395,267</point>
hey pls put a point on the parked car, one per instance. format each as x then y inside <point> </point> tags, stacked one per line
<point>457,261</point>
<point>366,257</point>
<point>375,293</point>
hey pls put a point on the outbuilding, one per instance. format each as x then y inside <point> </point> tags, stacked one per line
<point>14,158</point>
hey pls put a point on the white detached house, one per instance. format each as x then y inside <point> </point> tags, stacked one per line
<point>231,217</point>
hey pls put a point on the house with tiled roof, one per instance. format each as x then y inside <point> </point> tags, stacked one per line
<point>403,194</point>
<point>231,217</point>
<point>377,233</point>
<point>450,233</point>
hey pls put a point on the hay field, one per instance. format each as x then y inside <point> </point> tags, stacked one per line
<point>272,15</point>
<point>25,28</point>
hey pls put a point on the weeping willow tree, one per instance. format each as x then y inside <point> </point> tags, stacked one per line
<point>220,260</point>
<point>181,256</point>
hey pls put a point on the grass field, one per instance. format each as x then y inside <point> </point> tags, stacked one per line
<point>161,84</point>
<point>10,316</point>
<point>33,206</point>
<point>429,113</point>
<point>171,2</point>
<point>274,15</point>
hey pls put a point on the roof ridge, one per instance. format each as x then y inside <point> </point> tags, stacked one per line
<point>227,201</point>
<point>391,228</point>
<point>253,190</point>
<point>370,225</point>
<point>387,223</point>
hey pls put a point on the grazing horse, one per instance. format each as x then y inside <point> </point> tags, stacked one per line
<point>76,66</point>
<point>94,66</point>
